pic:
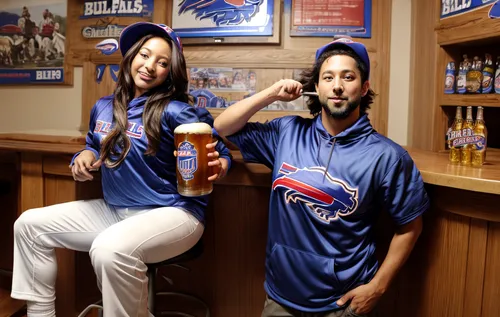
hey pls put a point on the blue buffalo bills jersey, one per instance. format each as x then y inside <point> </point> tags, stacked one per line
<point>146,180</point>
<point>327,192</point>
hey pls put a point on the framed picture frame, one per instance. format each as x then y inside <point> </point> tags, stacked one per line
<point>226,21</point>
<point>328,18</point>
<point>33,45</point>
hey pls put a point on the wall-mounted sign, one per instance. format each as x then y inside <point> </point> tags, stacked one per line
<point>329,18</point>
<point>216,18</point>
<point>454,7</point>
<point>109,31</point>
<point>117,8</point>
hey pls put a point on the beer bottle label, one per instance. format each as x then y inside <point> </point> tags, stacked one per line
<point>480,142</point>
<point>497,82</point>
<point>187,160</point>
<point>449,84</point>
<point>487,82</point>
<point>461,82</point>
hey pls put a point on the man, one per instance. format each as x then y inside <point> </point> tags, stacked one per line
<point>332,176</point>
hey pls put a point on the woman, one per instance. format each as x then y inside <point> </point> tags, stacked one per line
<point>142,219</point>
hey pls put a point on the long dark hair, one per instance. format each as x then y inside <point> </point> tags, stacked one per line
<point>116,145</point>
<point>310,78</point>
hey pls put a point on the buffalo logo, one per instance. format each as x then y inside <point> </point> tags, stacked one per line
<point>222,12</point>
<point>328,203</point>
<point>187,160</point>
<point>108,46</point>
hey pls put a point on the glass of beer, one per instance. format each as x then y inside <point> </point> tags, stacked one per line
<point>192,161</point>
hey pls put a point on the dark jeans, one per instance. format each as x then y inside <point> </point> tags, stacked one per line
<point>273,309</point>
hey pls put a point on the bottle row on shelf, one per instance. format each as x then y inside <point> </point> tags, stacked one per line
<point>467,139</point>
<point>473,76</point>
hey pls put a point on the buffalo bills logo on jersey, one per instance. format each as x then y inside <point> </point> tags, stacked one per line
<point>134,129</point>
<point>187,160</point>
<point>222,12</point>
<point>327,197</point>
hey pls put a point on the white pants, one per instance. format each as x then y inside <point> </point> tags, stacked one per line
<point>120,242</point>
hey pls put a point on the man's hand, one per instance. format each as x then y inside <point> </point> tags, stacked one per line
<point>286,90</point>
<point>363,298</point>
<point>83,164</point>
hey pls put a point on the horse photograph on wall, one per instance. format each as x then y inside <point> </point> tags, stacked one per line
<point>32,41</point>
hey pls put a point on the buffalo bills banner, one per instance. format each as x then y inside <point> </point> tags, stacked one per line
<point>455,7</point>
<point>329,18</point>
<point>32,41</point>
<point>222,18</point>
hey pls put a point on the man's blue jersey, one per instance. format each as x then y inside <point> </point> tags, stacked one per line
<point>146,180</point>
<point>327,193</point>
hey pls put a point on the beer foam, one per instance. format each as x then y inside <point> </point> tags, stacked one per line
<point>194,128</point>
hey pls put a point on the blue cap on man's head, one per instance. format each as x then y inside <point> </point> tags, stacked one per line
<point>136,31</point>
<point>343,42</point>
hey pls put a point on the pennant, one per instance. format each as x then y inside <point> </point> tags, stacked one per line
<point>113,69</point>
<point>495,11</point>
<point>99,71</point>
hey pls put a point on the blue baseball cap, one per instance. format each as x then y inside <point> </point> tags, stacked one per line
<point>343,42</point>
<point>136,31</point>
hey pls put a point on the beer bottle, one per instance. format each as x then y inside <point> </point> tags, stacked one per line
<point>455,130</point>
<point>488,75</point>
<point>467,135</point>
<point>449,81</point>
<point>462,75</point>
<point>480,138</point>
<point>474,76</point>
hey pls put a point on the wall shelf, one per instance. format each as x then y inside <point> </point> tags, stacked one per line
<point>486,100</point>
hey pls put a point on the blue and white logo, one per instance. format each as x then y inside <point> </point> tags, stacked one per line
<point>187,160</point>
<point>107,46</point>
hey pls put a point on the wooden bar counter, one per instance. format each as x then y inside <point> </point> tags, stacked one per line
<point>452,271</point>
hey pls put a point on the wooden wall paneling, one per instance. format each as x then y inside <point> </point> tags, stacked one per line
<point>476,260</point>
<point>93,91</point>
<point>471,204</point>
<point>161,11</point>
<point>491,291</point>
<point>443,256</point>
<point>381,24</point>
<point>240,242</point>
<point>31,191</point>
<point>422,80</point>
<point>59,190</point>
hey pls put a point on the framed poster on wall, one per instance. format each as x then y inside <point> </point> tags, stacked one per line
<point>226,21</point>
<point>452,8</point>
<point>32,41</point>
<point>329,18</point>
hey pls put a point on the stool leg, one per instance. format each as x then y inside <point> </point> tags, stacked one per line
<point>151,290</point>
